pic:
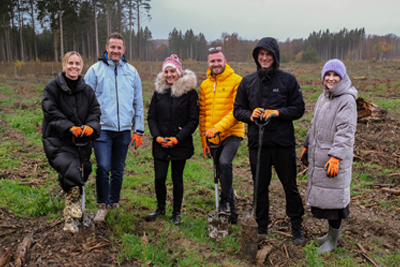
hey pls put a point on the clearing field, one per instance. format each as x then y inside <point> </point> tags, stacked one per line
<point>31,201</point>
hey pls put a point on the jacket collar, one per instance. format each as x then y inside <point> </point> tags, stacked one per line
<point>187,82</point>
<point>60,80</point>
<point>341,88</point>
<point>220,77</point>
<point>104,58</point>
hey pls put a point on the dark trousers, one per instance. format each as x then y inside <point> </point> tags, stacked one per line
<point>284,161</point>
<point>111,149</point>
<point>161,171</point>
<point>224,156</point>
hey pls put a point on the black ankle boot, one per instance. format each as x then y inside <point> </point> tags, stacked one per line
<point>176,217</point>
<point>152,216</point>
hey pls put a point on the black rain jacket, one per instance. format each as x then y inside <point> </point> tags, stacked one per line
<point>62,109</point>
<point>272,89</point>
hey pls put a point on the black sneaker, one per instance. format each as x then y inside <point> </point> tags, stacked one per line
<point>152,216</point>
<point>176,218</point>
<point>224,207</point>
<point>298,234</point>
<point>262,231</point>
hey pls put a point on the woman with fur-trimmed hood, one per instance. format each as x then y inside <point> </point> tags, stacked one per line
<point>173,117</point>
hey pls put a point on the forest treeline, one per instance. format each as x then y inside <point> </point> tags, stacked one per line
<point>43,30</point>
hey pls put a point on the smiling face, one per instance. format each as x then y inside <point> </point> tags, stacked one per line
<point>331,78</point>
<point>170,75</point>
<point>115,49</point>
<point>265,58</point>
<point>73,67</point>
<point>216,63</point>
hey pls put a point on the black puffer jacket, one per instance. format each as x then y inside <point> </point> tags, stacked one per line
<point>174,112</point>
<point>62,109</point>
<point>272,89</point>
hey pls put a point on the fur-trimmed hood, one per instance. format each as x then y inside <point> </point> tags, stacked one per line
<point>184,84</point>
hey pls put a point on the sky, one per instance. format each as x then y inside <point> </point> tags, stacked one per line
<point>281,19</point>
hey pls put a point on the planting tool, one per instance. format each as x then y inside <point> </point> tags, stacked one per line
<point>249,245</point>
<point>80,142</point>
<point>218,222</point>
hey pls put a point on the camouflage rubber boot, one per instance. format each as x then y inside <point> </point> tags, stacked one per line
<point>74,200</point>
<point>101,213</point>
<point>71,224</point>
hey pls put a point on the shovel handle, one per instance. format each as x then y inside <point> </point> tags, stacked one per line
<point>83,199</point>
<point>212,145</point>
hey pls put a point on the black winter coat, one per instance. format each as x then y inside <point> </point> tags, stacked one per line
<point>62,109</point>
<point>174,112</point>
<point>272,89</point>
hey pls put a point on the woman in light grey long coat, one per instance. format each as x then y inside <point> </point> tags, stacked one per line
<point>328,147</point>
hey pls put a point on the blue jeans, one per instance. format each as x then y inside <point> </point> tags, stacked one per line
<point>110,149</point>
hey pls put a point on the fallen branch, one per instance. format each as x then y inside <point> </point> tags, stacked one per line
<point>357,157</point>
<point>4,259</point>
<point>8,226</point>
<point>365,254</point>
<point>8,233</point>
<point>357,197</point>
<point>55,222</point>
<point>302,172</point>
<point>394,174</point>
<point>200,210</point>
<point>287,254</point>
<point>22,251</point>
<point>98,246</point>
<point>382,185</point>
<point>283,233</point>
<point>30,183</point>
<point>392,191</point>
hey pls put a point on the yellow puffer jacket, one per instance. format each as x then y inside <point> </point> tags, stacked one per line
<point>216,106</point>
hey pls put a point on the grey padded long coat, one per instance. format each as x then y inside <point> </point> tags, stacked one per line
<point>332,134</point>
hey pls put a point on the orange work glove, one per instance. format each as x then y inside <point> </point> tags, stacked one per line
<point>76,131</point>
<point>136,140</point>
<point>161,140</point>
<point>206,151</point>
<point>172,142</point>
<point>332,167</point>
<point>256,113</point>
<point>304,157</point>
<point>211,133</point>
<point>269,112</point>
<point>87,130</point>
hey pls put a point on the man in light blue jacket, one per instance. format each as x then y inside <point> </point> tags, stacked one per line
<point>118,89</point>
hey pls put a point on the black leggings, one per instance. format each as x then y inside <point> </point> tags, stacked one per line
<point>335,224</point>
<point>161,171</point>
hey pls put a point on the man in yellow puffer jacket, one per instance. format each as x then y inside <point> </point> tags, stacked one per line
<point>217,95</point>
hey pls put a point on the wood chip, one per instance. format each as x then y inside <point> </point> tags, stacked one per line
<point>5,258</point>
<point>262,254</point>
<point>22,251</point>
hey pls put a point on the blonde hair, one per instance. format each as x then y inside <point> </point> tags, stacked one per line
<point>66,58</point>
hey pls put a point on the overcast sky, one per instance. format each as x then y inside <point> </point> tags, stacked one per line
<point>282,19</point>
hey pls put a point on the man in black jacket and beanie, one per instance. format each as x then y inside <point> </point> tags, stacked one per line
<point>265,92</point>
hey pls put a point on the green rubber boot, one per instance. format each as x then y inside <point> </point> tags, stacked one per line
<point>330,243</point>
